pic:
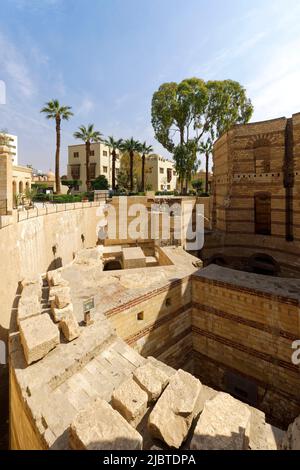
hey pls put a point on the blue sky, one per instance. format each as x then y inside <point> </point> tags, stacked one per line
<point>105,58</point>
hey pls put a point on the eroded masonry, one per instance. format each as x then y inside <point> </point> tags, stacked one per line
<point>180,350</point>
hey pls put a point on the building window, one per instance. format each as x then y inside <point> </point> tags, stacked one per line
<point>92,171</point>
<point>162,187</point>
<point>117,171</point>
<point>174,173</point>
<point>104,153</point>
<point>76,154</point>
<point>140,316</point>
<point>104,169</point>
<point>161,170</point>
<point>75,172</point>
<point>262,208</point>
<point>168,186</point>
<point>92,153</point>
<point>169,175</point>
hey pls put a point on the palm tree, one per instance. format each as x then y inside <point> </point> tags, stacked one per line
<point>88,135</point>
<point>54,110</point>
<point>145,149</point>
<point>207,149</point>
<point>131,146</point>
<point>114,146</point>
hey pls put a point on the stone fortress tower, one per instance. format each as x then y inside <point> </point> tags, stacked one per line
<point>257,196</point>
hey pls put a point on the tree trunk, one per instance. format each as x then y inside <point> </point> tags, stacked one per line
<point>87,164</point>
<point>143,172</point>
<point>181,185</point>
<point>206,172</point>
<point>113,183</point>
<point>131,171</point>
<point>57,170</point>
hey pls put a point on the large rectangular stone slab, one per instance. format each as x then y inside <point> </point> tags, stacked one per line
<point>54,278</point>
<point>172,416</point>
<point>224,424</point>
<point>131,401</point>
<point>69,326</point>
<point>28,307</point>
<point>62,298</point>
<point>133,258</point>
<point>60,313</point>
<point>151,379</point>
<point>100,427</point>
<point>38,336</point>
<point>56,290</point>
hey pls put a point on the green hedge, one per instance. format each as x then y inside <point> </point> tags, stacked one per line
<point>164,193</point>
<point>65,198</point>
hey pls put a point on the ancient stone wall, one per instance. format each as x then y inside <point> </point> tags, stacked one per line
<point>247,332</point>
<point>164,327</point>
<point>257,191</point>
<point>27,248</point>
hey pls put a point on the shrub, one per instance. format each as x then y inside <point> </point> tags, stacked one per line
<point>41,197</point>
<point>65,198</point>
<point>100,183</point>
<point>164,193</point>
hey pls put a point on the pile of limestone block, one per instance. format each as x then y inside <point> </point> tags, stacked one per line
<point>178,414</point>
<point>38,333</point>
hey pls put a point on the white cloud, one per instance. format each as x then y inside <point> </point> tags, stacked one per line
<point>85,107</point>
<point>14,66</point>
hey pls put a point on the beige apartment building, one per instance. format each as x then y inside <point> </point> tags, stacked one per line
<point>100,163</point>
<point>10,141</point>
<point>160,174</point>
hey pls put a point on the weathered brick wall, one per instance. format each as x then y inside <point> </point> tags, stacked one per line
<point>249,333</point>
<point>159,323</point>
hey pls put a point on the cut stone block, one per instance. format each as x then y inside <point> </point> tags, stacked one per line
<point>224,424</point>
<point>38,336</point>
<point>34,280</point>
<point>100,427</point>
<point>28,307</point>
<point>131,401</point>
<point>133,258</point>
<point>62,298</point>
<point>56,290</point>
<point>162,366</point>
<point>60,313</point>
<point>263,436</point>
<point>291,439</point>
<point>151,379</point>
<point>172,416</point>
<point>69,326</point>
<point>32,290</point>
<point>54,278</point>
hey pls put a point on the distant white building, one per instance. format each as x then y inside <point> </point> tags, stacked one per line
<point>12,143</point>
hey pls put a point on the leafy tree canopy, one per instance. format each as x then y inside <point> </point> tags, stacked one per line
<point>100,183</point>
<point>194,108</point>
<point>189,116</point>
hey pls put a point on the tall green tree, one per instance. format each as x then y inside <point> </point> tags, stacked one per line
<point>145,150</point>
<point>114,145</point>
<point>131,146</point>
<point>53,110</point>
<point>88,135</point>
<point>186,114</point>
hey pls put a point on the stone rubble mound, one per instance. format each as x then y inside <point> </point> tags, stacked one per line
<point>38,334</point>
<point>181,414</point>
